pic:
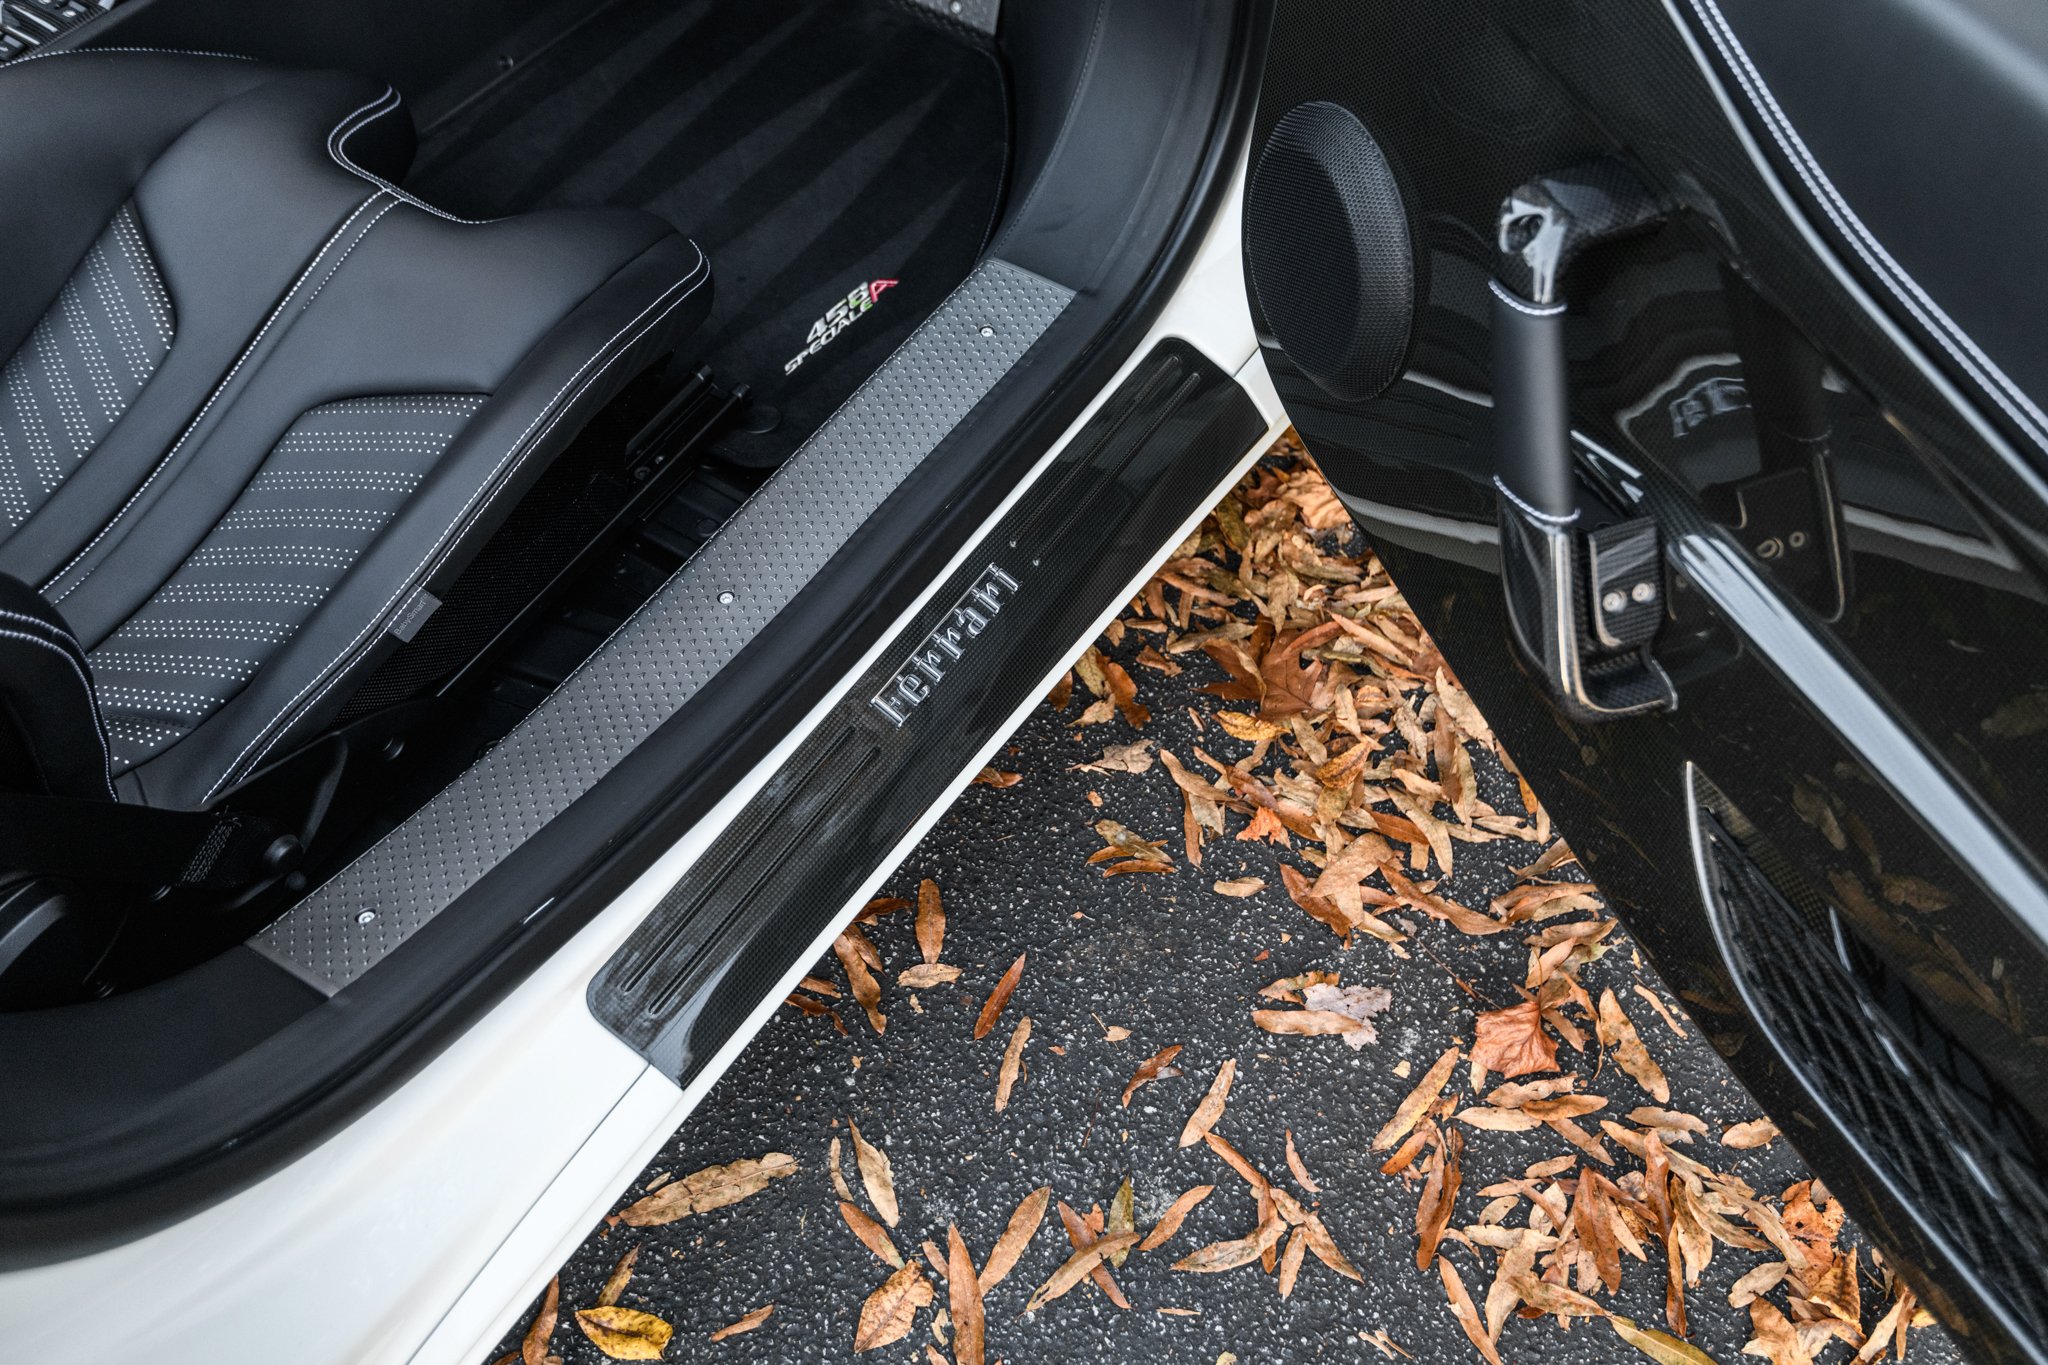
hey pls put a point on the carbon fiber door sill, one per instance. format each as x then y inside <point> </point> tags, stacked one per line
<point>692,972</point>
<point>672,646</point>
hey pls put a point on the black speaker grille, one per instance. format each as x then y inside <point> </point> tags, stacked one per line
<point>1331,254</point>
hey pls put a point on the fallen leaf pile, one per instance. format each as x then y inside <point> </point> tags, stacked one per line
<point>1553,1170</point>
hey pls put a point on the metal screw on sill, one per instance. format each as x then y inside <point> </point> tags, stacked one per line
<point>988,331</point>
<point>725,599</point>
<point>366,916</point>
<point>1613,601</point>
<point>1642,592</point>
<point>956,6</point>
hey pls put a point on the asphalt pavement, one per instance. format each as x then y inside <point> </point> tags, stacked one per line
<point>1166,958</point>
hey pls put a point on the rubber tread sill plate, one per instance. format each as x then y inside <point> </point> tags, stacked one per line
<point>692,972</point>
<point>702,617</point>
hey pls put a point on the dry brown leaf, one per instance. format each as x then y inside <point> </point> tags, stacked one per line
<point>625,1333</point>
<point>744,1324</point>
<point>1619,1033</point>
<point>872,1235</point>
<point>931,921</point>
<point>1081,1232</point>
<point>1663,1010</point>
<point>1236,1161</point>
<point>926,975</point>
<point>1409,1111</point>
<point>1076,1268</point>
<point>1013,1063</point>
<point>1307,1023</point>
<point>1744,1136</point>
<point>1773,1337</point>
<point>1465,1312</point>
<point>866,990</point>
<point>963,1297</point>
<point>1239,887</point>
<point>1250,729</point>
<point>1151,1069</point>
<point>1295,1164</point>
<point>1560,1299</point>
<point>1211,1108</point>
<point>999,997</point>
<point>615,1283</point>
<point>1755,1281</point>
<point>1326,1250</point>
<point>876,1176</point>
<point>1512,1041</point>
<point>1176,1213</point>
<point>1221,1256</point>
<point>891,1311</point>
<point>839,1185</point>
<point>1016,1236</point>
<point>1290,1260</point>
<point>533,1347</point>
<point>1439,1197</point>
<point>714,1187</point>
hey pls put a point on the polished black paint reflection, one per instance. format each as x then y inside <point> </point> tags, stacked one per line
<point>1725,376</point>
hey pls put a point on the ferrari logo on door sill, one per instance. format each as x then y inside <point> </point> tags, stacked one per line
<point>926,667</point>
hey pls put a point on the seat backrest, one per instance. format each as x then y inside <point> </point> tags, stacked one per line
<point>154,207</point>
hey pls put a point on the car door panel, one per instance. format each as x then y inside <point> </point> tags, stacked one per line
<point>1852,529</point>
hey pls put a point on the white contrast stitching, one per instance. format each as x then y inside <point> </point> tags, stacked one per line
<point>200,416</point>
<point>1930,315</point>
<point>100,51</point>
<point>337,147</point>
<point>514,455</point>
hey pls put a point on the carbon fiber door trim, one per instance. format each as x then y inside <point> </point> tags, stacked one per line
<point>694,969</point>
<point>700,619</point>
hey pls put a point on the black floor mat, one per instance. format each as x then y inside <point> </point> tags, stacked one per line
<point>841,161</point>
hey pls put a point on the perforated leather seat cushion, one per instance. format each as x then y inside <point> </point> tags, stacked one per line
<point>259,403</point>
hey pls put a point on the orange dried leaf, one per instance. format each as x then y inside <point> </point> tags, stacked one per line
<point>1176,1213</point>
<point>714,1187</point>
<point>999,997</point>
<point>1013,1063</point>
<point>1409,1112</point>
<point>1295,1164</point>
<point>533,1347</point>
<point>1151,1069</point>
<point>871,1235</point>
<point>1016,1236</point>
<point>745,1324</point>
<point>1512,1041</point>
<point>963,1290</point>
<point>876,1176</point>
<point>890,1312</point>
<point>1211,1108</point>
<point>931,920</point>
<point>1077,1267</point>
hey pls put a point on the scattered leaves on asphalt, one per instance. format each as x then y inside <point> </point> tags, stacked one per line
<point>1339,772</point>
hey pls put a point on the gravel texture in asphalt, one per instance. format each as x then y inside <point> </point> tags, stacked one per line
<point>1165,957</point>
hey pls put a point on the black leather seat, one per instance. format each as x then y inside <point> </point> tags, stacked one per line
<point>261,405</point>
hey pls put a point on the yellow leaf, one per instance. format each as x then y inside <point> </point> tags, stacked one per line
<point>625,1333</point>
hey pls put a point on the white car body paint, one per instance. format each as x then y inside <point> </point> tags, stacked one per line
<point>423,1229</point>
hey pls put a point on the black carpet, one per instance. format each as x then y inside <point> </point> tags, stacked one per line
<point>840,160</point>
